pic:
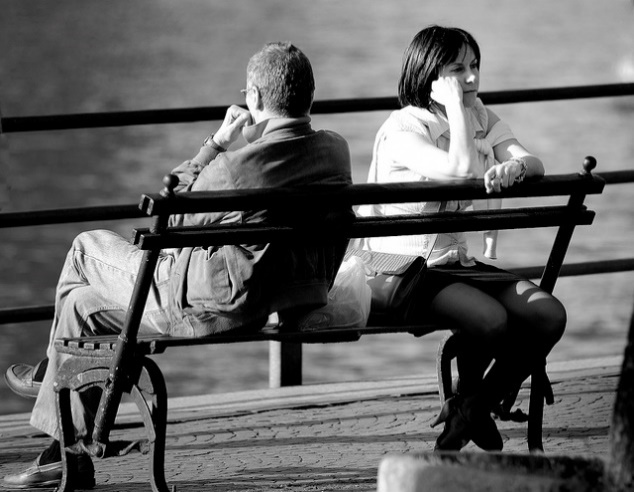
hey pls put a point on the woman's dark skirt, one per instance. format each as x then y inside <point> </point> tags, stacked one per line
<point>482,276</point>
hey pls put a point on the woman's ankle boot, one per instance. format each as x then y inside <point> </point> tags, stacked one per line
<point>483,431</point>
<point>467,419</point>
<point>455,435</point>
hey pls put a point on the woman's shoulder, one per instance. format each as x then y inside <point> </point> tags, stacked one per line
<point>495,129</point>
<point>411,119</point>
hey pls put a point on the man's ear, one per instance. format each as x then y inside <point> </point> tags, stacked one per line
<point>259,104</point>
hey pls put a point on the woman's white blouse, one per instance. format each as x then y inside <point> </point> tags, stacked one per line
<point>447,248</point>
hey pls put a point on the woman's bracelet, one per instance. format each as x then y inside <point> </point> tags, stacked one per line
<point>523,167</point>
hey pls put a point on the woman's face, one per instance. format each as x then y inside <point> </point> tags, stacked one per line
<point>465,69</point>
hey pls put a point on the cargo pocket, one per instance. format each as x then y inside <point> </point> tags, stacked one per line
<point>208,280</point>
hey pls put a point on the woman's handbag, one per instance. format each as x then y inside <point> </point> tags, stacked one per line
<point>394,280</point>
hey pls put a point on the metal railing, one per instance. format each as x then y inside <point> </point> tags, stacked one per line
<point>186,115</point>
<point>17,124</point>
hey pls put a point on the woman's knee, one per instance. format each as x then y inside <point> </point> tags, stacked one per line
<point>552,322</point>
<point>542,316</point>
<point>472,311</point>
<point>546,323</point>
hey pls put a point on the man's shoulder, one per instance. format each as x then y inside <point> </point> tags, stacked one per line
<point>302,159</point>
<point>334,136</point>
<point>289,139</point>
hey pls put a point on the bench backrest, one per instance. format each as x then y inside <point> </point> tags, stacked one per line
<point>166,203</point>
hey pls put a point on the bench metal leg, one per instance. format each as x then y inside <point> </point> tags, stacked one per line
<point>146,383</point>
<point>76,374</point>
<point>447,351</point>
<point>541,389</point>
<point>67,435</point>
<point>154,419</point>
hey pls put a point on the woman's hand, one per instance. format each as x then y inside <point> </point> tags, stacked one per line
<point>502,175</point>
<point>446,90</point>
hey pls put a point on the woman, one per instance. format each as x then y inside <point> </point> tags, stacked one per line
<point>443,131</point>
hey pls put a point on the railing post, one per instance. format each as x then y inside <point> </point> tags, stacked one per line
<point>285,364</point>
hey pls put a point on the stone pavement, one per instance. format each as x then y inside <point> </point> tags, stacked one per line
<point>328,437</point>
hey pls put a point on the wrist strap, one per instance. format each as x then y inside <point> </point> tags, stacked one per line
<point>209,142</point>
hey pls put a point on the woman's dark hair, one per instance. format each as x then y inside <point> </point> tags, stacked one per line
<point>431,49</point>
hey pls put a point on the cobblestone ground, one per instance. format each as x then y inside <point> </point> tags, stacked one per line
<point>326,447</point>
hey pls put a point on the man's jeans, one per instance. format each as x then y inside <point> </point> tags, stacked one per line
<point>92,297</point>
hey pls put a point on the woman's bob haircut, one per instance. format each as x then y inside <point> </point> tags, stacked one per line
<point>431,49</point>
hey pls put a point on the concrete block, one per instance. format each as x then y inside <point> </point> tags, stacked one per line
<point>484,472</point>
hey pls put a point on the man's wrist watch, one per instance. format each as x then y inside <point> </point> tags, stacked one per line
<point>209,142</point>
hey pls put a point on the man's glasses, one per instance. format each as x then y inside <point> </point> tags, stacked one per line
<point>246,91</point>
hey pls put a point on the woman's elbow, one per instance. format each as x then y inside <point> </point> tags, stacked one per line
<point>462,169</point>
<point>536,167</point>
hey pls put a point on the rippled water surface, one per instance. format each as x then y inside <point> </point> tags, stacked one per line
<point>86,55</point>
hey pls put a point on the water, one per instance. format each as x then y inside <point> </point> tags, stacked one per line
<point>84,56</point>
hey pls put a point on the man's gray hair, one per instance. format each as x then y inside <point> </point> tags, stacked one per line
<point>284,77</point>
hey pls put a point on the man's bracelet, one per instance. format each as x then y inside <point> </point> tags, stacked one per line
<point>209,142</point>
<point>523,167</point>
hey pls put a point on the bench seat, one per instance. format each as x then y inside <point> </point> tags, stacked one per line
<point>105,345</point>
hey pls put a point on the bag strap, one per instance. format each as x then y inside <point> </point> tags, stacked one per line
<point>388,263</point>
<point>383,263</point>
<point>441,208</point>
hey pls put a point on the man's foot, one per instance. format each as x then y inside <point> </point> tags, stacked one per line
<point>50,475</point>
<point>26,380</point>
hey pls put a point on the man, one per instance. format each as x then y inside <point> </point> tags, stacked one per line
<point>198,291</point>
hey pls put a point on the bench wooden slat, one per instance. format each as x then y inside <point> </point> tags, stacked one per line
<point>362,193</point>
<point>222,234</point>
<point>156,344</point>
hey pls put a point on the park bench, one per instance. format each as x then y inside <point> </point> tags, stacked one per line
<point>121,364</point>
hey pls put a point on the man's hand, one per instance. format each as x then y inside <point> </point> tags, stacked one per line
<point>231,128</point>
